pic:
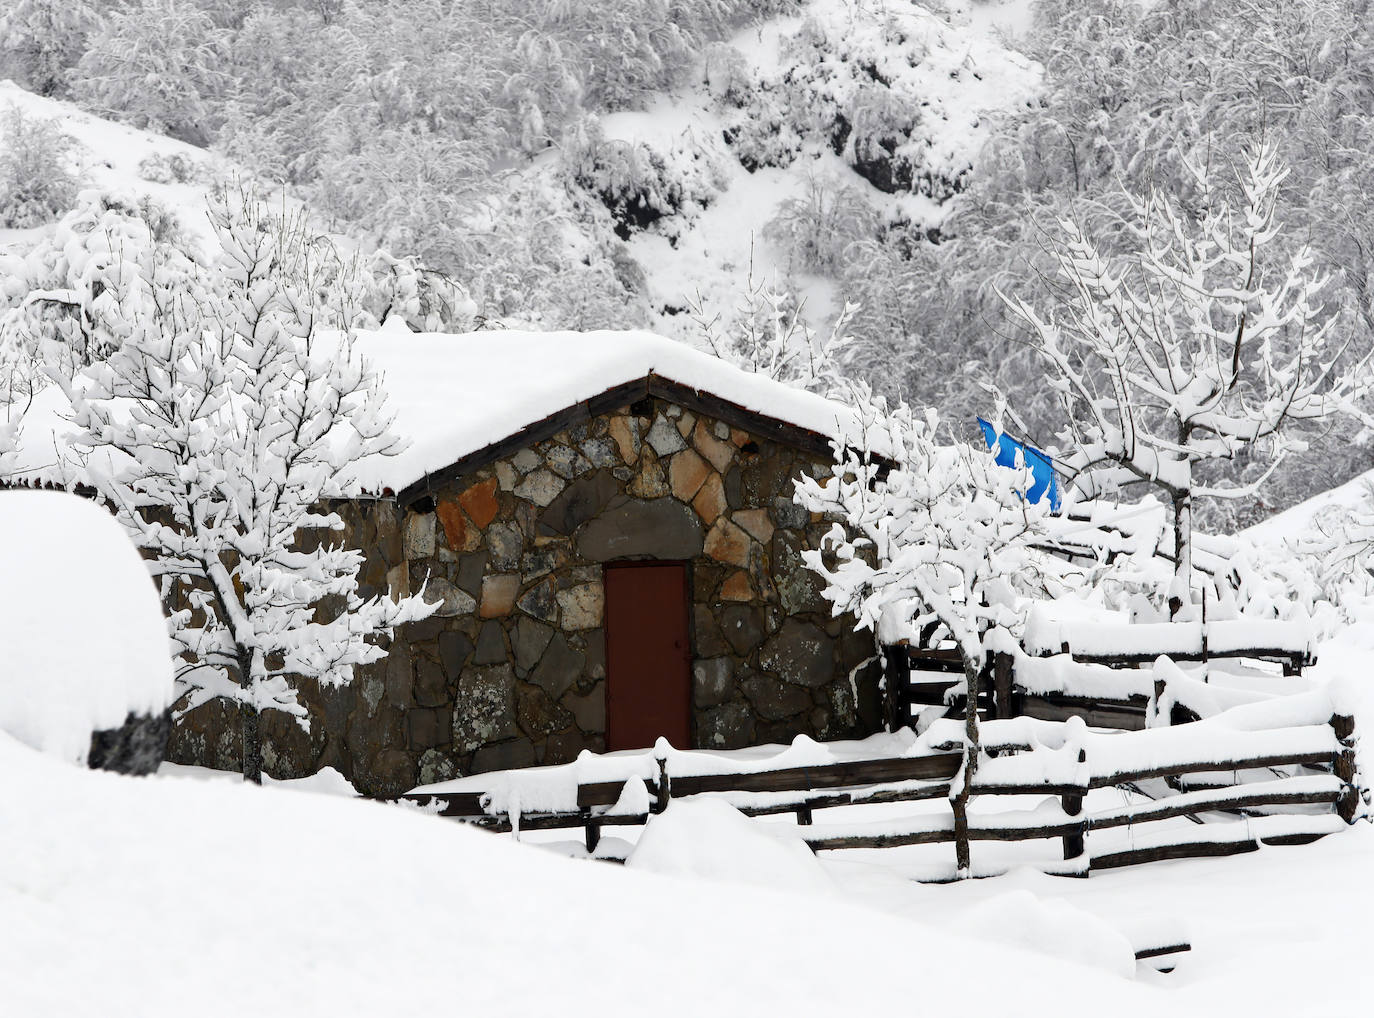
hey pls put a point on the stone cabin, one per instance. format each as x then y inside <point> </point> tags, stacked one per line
<point>606,520</point>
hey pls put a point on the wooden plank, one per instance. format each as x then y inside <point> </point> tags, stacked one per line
<point>455,804</point>
<point>1183,850</point>
<point>925,836</point>
<point>1165,770</point>
<point>1124,718</point>
<point>796,779</point>
<point>1161,951</point>
<point>1164,809</point>
<point>1278,655</point>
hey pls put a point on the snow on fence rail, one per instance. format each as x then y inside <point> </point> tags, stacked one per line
<point>1253,765</point>
<point>1091,670</point>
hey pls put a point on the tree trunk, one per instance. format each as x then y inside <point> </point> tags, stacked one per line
<point>972,674</point>
<point>1180,594</point>
<point>249,730</point>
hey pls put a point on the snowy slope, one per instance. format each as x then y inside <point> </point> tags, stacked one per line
<point>121,158</point>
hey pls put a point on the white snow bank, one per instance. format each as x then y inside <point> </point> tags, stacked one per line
<point>83,641</point>
<point>418,913</point>
<point>708,838</point>
<point>1052,926</point>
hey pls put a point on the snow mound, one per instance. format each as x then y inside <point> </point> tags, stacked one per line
<point>707,838</point>
<point>1023,919</point>
<point>83,642</point>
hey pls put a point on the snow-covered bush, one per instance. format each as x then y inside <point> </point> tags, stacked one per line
<point>1198,345</point>
<point>640,187</point>
<point>766,333</point>
<point>37,182</point>
<point>426,300</point>
<point>42,40</point>
<point>169,168</point>
<point>156,64</point>
<point>818,228</point>
<point>59,685</point>
<point>217,430</point>
<point>72,297</point>
<point>927,532</point>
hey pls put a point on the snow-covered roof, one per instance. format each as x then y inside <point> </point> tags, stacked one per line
<point>454,396</point>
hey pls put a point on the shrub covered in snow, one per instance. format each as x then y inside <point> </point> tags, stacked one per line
<point>37,177</point>
<point>71,669</point>
<point>41,41</point>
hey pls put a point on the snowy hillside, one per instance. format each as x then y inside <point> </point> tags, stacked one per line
<point>119,158</point>
<point>840,111</point>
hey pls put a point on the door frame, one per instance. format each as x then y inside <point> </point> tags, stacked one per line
<point>639,563</point>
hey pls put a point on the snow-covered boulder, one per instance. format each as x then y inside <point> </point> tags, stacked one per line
<point>85,663</point>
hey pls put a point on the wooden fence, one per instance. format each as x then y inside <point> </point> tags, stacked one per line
<point>918,677</point>
<point>1318,763</point>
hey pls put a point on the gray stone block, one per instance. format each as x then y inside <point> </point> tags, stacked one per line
<point>800,653</point>
<point>712,681</point>
<point>662,528</point>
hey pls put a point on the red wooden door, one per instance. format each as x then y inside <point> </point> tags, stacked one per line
<point>648,659</point>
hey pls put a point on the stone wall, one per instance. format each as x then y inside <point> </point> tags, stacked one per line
<point>511,670</point>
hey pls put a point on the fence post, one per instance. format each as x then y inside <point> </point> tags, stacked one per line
<point>1002,685</point>
<point>1159,718</point>
<point>593,831</point>
<point>1075,844</point>
<point>897,673</point>
<point>1344,766</point>
<point>665,789</point>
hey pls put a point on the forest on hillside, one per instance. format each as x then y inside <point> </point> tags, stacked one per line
<point>471,136</point>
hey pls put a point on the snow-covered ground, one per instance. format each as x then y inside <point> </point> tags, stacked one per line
<point>129,896</point>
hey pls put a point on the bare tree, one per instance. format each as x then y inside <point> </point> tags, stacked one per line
<point>1199,346</point>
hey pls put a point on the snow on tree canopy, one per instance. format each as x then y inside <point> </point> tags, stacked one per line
<point>82,636</point>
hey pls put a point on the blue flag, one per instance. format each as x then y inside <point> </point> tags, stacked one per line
<point>1042,470</point>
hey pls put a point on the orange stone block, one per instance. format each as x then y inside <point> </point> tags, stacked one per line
<point>721,454</point>
<point>498,595</point>
<point>737,588</point>
<point>755,523</point>
<point>480,503</point>
<point>728,543</point>
<point>455,525</point>
<point>710,501</point>
<point>687,472</point>
<point>624,438</point>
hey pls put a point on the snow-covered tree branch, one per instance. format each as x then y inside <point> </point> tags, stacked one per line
<point>1202,344</point>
